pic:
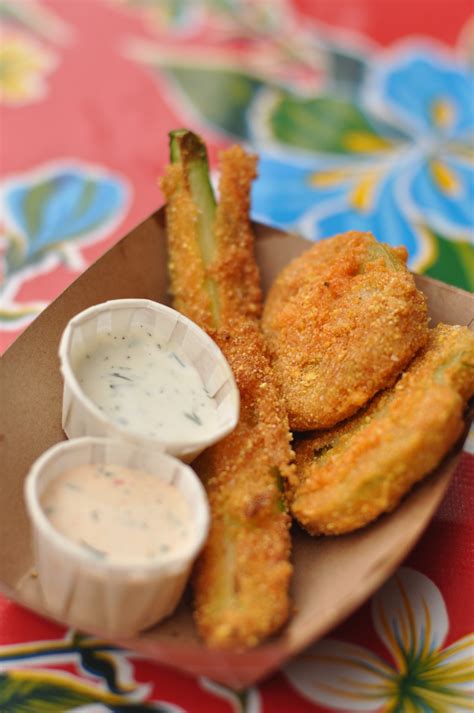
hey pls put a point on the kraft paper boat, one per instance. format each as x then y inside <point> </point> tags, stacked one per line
<point>333,576</point>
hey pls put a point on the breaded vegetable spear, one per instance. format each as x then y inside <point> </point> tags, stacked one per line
<point>242,577</point>
<point>354,472</point>
<point>212,266</point>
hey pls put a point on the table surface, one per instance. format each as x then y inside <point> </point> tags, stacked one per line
<point>362,113</point>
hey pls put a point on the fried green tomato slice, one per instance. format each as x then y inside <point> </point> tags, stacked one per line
<point>342,321</point>
<point>353,473</point>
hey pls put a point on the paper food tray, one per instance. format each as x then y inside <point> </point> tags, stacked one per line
<point>333,576</point>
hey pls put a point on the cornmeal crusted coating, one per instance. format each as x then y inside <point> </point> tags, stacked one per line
<point>234,268</point>
<point>185,267</point>
<point>352,473</point>
<point>342,321</point>
<point>242,577</point>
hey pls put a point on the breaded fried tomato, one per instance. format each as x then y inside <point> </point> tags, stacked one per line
<point>342,321</point>
<point>352,473</point>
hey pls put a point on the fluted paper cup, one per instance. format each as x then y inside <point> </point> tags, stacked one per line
<point>82,417</point>
<point>111,598</point>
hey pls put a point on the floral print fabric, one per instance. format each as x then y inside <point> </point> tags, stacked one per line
<point>362,119</point>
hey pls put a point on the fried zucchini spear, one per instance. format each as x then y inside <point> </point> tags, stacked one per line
<point>242,576</point>
<point>362,468</point>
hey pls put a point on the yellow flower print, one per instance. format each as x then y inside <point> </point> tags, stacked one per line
<point>23,68</point>
<point>410,617</point>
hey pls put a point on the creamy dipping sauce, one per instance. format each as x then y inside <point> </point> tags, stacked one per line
<point>118,513</point>
<point>146,387</point>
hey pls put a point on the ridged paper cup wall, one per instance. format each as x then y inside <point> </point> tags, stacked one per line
<point>82,417</point>
<point>112,598</point>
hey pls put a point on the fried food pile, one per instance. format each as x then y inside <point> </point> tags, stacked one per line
<point>243,574</point>
<point>352,473</point>
<point>346,358</point>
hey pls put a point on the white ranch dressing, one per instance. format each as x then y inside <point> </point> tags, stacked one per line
<point>146,387</point>
<point>117,513</point>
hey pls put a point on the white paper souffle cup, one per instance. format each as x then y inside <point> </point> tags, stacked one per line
<point>110,597</point>
<point>82,417</point>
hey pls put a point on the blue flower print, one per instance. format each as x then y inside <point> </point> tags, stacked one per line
<point>441,192</point>
<point>55,207</point>
<point>285,191</point>
<point>432,95</point>
<point>417,190</point>
<point>379,216</point>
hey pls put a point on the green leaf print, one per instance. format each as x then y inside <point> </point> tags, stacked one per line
<point>14,254</point>
<point>220,96</point>
<point>452,262</point>
<point>22,692</point>
<point>46,692</point>
<point>324,124</point>
<point>49,209</point>
<point>33,206</point>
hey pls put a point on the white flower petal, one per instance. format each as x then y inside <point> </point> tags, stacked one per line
<point>245,701</point>
<point>410,616</point>
<point>451,670</point>
<point>342,676</point>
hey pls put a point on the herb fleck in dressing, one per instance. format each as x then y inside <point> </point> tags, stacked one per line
<point>118,513</point>
<point>146,387</point>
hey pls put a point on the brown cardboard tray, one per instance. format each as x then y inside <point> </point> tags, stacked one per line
<point>332,577</point>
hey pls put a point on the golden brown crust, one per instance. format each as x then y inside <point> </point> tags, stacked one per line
<point>351,474</point>
<point>186,270</point>
<point>234,268</point>
<point>342,321</point>
<point>242,576</point>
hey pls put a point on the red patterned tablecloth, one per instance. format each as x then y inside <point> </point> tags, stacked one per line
<point>362,112</point>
